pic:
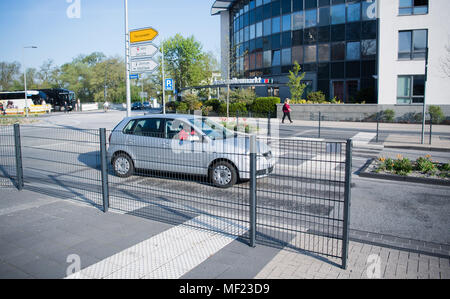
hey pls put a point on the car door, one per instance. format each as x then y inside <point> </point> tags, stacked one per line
<point>146,143</point>
<point>184,148</point>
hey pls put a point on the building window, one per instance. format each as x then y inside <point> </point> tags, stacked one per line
<point>276,25</point>
<point>369,48</point>
<point>413,7</point>
<point>276,58</point>
<point>297,54</point>
<point>286,22</point>
<point>353,12</point>
<point>324,52</point>
<point>338,14</point>
<point>286,56</point>
<point>311,18</point>
<point>298,20</point>
<point>410,89</point>
<point>412,44</point>
<point>353,51</point>
<point>267,59</point>
<point>310,54</point>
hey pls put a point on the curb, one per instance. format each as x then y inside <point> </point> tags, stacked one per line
<point>392,177</point>
<point>412,147</point>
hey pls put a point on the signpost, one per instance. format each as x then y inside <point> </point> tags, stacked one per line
<point>143,50</point>
<point>143,66</point>
<point>168,84</point>
<point>138,54</point>
<point>143,35</point>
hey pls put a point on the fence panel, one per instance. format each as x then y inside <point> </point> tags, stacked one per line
<point>171,181</point>
<point>7,157</point>
<point>301,204</point>
<point>62,162</point>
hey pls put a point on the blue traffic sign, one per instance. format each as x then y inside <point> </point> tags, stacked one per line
<point>168,84</point>
<point>134,76</point>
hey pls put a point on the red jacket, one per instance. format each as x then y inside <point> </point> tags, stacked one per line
<point>286,108</point>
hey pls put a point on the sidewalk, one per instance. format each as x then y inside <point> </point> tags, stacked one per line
<point>40,234</point>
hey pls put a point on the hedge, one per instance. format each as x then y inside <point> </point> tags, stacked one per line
<point>265,105</point>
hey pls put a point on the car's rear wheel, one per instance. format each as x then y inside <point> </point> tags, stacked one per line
<point>223,174</point>
<point>123,165</point>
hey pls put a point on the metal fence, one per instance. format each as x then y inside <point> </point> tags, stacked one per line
<point>282,192</point>
<point>380,127</point>
<point>8,155</point>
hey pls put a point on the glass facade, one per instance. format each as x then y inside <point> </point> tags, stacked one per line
<point>335,41</point>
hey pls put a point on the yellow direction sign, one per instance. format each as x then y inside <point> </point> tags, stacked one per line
<point>143,35</point>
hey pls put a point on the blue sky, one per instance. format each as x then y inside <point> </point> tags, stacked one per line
<point>45,24</point>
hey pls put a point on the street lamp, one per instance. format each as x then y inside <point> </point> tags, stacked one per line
<point>25,76</point>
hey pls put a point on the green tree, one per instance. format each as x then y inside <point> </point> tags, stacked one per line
<point>295,84</point>
<point>186,62</point>
<point>9,72</point>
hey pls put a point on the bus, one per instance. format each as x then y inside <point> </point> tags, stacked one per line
<point>57,97</point>
<point>16,99</point>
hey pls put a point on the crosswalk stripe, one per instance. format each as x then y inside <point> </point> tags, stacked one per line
<point>168,255</point>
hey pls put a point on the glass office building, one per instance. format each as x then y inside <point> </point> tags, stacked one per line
<point>334,41</point>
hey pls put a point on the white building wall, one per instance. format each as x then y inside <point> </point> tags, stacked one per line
<point>437,21</point>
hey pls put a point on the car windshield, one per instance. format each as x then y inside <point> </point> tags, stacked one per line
<point>211,129</point>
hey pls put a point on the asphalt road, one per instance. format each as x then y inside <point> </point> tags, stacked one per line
<point>63,161</point>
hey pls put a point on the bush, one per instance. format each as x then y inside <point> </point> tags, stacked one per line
<point>436,114</point>
<point>425,165</point>
<point>241,95</point>
<point>214,103</point>
<point>182,107</point>
<point>265,105</point>
<point>234,107</point>
<point>388,115</point>
<point>192,101</point>
<point>206,110</point>
<point>316,96</point>
<point>445,167</point>
<point>403,166</point>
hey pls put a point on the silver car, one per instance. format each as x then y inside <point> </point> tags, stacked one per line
<point>185,144</point>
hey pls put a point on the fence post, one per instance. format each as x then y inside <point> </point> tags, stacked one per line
<point>104,168</point>
<point>237,120</point>
<point>269,127</point>
<point>431,127</point>
<point>320,120</point>
<point>253,152</point>
<point>347,199</point>
<point>18,149</point>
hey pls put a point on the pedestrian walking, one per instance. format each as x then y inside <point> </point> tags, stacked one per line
<point>287,111</point>
<point>66,107</point>
<point>106,106</point>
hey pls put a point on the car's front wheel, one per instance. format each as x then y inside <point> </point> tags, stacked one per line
<point>223,174</point>
<point>123,165</point>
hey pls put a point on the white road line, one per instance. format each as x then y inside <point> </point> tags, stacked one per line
<point>363,137</point>
<point>168,255</point>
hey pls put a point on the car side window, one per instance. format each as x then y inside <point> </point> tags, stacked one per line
<point>151,127</point>
<point>129,127</point>
<point>177,129</point>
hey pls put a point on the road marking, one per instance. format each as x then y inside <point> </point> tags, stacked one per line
<point>170,254</point>
<point>363,137</point>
